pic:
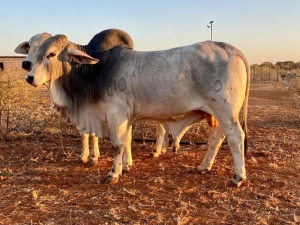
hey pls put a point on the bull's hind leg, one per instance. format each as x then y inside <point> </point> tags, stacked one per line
<point>235,137</point>
<point>95,151</point>
<point>178,136</point>
<point>162,140</point>
<point>215,140</point>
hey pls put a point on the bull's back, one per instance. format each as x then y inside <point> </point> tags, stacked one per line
<point>158,79</point>
<point>177,80</point>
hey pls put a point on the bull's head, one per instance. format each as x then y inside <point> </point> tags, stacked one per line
<point>30,49</point>
<point>53,60</point>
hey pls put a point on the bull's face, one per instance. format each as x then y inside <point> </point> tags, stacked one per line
<point>44,61</point>
<point>53,60</point>
<point>30,49</point>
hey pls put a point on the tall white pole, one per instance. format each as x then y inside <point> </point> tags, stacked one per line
<point>211,22</point>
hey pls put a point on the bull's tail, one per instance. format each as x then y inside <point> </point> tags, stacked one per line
<point>245,106</point>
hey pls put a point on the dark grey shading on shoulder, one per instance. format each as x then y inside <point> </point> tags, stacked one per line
<point>94,80</point>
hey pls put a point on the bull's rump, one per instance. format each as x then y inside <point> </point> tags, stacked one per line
<point>173,82</point>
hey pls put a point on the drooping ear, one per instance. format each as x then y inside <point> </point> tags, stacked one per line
<point>81,57</point>
<point>23,48</point>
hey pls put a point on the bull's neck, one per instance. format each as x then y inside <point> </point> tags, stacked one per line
<point>58,95</point>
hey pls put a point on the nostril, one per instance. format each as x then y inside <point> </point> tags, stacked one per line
<point>26,65</point>
<point>29,79</point>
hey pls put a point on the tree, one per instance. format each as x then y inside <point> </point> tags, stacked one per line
<point>268,64</point>
<point>288,65</point>
<point>280,65</point>
<point>296,66</point>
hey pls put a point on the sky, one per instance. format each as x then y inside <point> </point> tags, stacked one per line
<point>265,30</point>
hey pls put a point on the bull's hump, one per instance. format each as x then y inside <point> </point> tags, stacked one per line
<point>108,39</point>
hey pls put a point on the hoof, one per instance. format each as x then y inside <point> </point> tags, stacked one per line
<point>82,161</point>
<point>237,181</point>
<point>175,148</point>
<point>109,180</point>
<point>163,150</point>
<point>197,171</point>
<point>126,169</point>
<point>92,162</point>
<point>154,155</point>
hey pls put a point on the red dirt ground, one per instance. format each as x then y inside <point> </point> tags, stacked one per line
<point>42,183</point>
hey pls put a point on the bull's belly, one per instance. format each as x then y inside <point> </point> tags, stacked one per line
<point>164,109</point>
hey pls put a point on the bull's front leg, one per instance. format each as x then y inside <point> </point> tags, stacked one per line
<point>95,151</point>
<point>118,134</point>
<point>127,156</point>
<point>116,170</point>
<point>85,152</point>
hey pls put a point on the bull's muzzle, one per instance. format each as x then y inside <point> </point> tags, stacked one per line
<point>30,79</point>
<point>26,65</point>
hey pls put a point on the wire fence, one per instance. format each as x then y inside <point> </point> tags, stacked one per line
<point>264,73</point>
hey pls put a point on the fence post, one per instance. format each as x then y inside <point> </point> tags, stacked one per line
<point>9,102</point>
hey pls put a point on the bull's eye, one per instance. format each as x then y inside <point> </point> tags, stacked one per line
<point>51,55</point>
